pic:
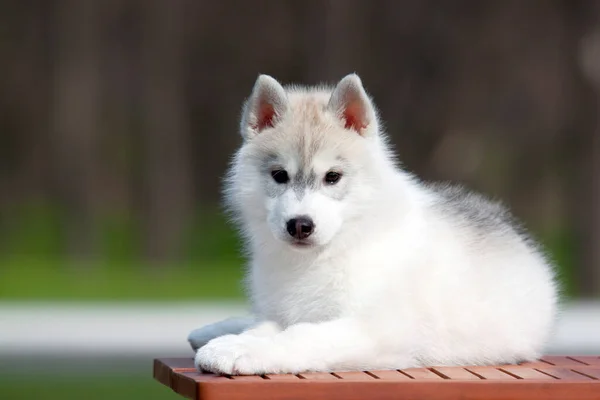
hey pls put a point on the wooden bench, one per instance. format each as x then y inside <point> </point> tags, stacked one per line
<point>553,377</point>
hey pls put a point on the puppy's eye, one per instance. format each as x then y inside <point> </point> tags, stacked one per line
<point>280,176</point>
<point>332,177</point>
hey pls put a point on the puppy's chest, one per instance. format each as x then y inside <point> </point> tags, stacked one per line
<point>290,297</point>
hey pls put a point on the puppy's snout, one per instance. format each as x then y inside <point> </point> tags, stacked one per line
<point>301,227</point>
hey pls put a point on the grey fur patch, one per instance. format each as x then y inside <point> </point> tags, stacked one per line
<point>271,187</point>
<point>274,189</point>
<point>487,217</point>
<point>305,179</point>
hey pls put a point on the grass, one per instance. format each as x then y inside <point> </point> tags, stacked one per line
<point>99,387</point>
<point>34,264</point>
<point>22,279</point>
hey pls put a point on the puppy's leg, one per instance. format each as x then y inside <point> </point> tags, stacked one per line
<point>342,344</point>
<point>231,326</point>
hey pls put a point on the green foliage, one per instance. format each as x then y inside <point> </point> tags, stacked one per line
<point>33,229</point>
<point>561,247</point>
<point>34,265</point>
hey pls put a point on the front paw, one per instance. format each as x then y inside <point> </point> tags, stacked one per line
<point>241,355</point>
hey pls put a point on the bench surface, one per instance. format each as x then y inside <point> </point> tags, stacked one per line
<point>553,377</point>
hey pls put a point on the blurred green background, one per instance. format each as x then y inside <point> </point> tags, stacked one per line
<point>100,387</point>
<point>118,119</point>
<point>210,265</point>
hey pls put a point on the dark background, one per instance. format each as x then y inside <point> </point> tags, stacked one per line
<point>118,117</point>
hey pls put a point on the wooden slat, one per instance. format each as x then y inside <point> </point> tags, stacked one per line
<point>164,368</point>
<point>319,376</point>
<point>593,372</point>
<point>457,374</point>
<point>354,376</point>
<point>491,373</point>
<point>561,361</point>
<point>283,377</point>
<point>442,389</point>
<point>203,377</point>
<point>421,373</point>
<point>247,378</point>
<point>564,374</point>
<point>534,364</point>
<point>186,384</point>
<point>162,372</point>
<point>526,373</point>
<point>390,375</point>
<point>587,360</point>
<point>178,364</point>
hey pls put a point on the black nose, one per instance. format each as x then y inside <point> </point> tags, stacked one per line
<point>300,227</point>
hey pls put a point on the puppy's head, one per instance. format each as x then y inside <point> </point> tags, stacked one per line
<point>304,166</point>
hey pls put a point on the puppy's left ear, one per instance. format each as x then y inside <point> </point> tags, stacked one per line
<point>266,105</point>
<point>352,105</point>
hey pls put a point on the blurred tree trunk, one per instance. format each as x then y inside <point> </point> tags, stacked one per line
<point>76,120</point>
<point>24,159</point>
<point>329,35</point>
<point>165,124</point>
<point>120,78</point>
<point>589,57</point>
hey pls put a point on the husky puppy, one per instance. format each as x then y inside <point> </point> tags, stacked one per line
<point>357,265</point>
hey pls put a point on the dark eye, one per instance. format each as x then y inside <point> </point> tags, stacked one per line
<point>280,176</point>
<point>332,177</point>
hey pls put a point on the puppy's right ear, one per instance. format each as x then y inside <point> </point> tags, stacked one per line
<point>267,103</point>
<point>352,105</point>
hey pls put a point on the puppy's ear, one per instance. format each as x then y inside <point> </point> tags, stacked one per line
<point>353,107</point>
<point>267,103</point>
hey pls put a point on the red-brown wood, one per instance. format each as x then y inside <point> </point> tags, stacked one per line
<point>526,373</point>
<point>457,374</point>
<point>552,379</point>
<point>390,375</point>
<point>592,372</point>
<point>249,378</point>
<point>319,376</point>
<point>589,360</point>
<point>421,373</point>
<point>491,373</point>
<point>283,377</point>
<point>355,376</point>
<point>563,361</point>
<point>409,390</point>
<point>535,364</point>
<point>164,367</point>
<point>564,373</point>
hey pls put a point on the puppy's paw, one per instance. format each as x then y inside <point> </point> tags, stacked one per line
<point>241,355</point>
<point>264,329</point>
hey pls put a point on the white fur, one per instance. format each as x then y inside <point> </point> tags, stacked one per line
<point>393,277</point>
